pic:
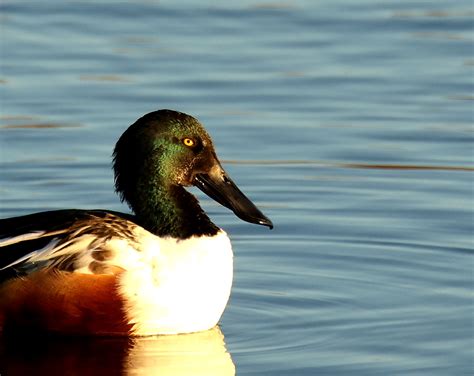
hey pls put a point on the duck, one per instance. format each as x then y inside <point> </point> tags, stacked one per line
<point>165,268</point>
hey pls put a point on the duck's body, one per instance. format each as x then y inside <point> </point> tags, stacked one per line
<point>165,270</point>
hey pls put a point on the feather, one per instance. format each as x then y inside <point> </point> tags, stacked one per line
<point>62,239</point>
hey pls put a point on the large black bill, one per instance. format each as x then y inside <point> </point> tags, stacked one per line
<point>221,188</point>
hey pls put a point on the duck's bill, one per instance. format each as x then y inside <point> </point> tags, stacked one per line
<point>218,185</point>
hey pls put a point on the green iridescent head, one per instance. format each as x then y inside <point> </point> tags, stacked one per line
<point>165,146</point>
<point>166,150</point>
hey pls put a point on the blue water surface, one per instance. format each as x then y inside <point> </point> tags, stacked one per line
<point>349,124</point>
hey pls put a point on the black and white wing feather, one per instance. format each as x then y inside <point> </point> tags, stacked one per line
<point>68,240</point>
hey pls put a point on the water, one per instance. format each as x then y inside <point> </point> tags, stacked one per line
<point>349,123</point>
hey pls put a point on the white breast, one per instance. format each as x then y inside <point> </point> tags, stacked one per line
<point>177,286</point>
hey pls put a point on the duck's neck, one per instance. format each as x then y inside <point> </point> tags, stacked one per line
<point>172,211</point>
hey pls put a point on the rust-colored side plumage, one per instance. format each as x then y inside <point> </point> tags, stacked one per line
<point>63,302</point>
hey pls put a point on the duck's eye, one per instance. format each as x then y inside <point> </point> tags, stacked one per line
<point>189,142</point>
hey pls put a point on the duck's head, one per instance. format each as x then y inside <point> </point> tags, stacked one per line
<point>165,150</point>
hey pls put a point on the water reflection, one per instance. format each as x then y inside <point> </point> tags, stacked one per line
<point>202,353</point>
<point>197,354</point>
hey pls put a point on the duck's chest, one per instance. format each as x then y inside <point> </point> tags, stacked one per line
<point>177,286</point>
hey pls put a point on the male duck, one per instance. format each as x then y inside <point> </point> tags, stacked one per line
<point>165,270</point>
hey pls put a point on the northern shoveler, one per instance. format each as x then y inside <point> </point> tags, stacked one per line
<point>166,269</point>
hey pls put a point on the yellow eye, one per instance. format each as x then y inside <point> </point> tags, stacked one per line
<point>188,142</point>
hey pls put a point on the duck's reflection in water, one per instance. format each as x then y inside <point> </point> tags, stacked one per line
<point>201,353</point>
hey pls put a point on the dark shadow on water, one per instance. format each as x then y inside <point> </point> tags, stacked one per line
<point>42,355</point>
<point>375,166</point>
<point>38,126</point>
